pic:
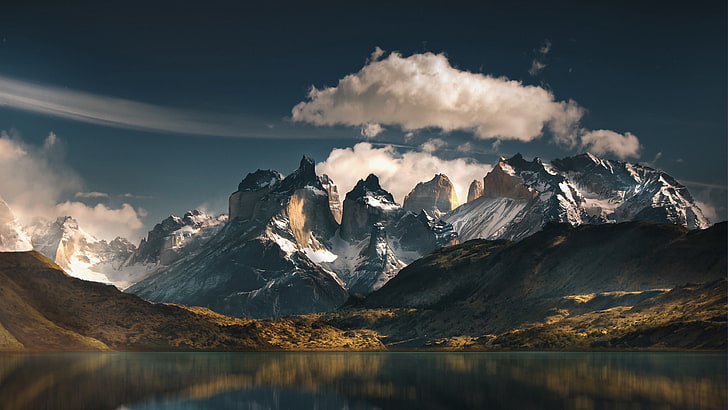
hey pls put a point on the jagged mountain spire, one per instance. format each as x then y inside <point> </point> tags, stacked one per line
<point>437,196</point>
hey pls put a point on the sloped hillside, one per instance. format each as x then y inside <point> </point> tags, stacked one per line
<point>43,309</point>
<point>636,284</point>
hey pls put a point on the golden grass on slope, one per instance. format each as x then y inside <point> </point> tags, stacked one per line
<point>31,329</point>
<point>8,342</point>
<point>306,333</point>
<point>689,317</point>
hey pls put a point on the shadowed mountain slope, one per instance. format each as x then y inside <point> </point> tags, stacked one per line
<point>44,309</point>
<point>633,284</point>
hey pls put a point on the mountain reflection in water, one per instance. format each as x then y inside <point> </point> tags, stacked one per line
<point>362,380</point>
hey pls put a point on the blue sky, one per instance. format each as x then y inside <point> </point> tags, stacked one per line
<point>166,107</point>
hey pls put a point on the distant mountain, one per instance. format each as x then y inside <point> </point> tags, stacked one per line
<point>44,309</point>
<point>519,197</point>
<point>378,237</point>
<point>475,190</point>
<point>635,284</point>
<point>176,237</point>
<point>80,254</point>
<point>436,196</point>
<point>284,252</point>
<point>12,235</point>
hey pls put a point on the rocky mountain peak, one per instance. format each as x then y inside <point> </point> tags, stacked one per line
<point>376,265</point>
<point>369,187</point>
<point>168,240</point>
<point>372,182</point>
<point>367,204</point>
<point>520,196</point>
<point>12,235</point>
<point>520,164</point>
<point>260,179</point>
<point>475,191</point>
<point>334,199</point>
<point>67,221</point>
<point>585,163</point>
<point>307,164</point>
<point>503,182</point>
<point>304,176</point>
<point>437,196</point>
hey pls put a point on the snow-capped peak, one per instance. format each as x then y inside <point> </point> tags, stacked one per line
<point>519,196</point>
<point>13,237</point>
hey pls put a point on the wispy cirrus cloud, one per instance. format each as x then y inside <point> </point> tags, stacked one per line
<point>92,194</point>
<point>119,112</point>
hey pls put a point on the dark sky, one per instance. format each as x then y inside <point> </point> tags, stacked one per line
<point>654,69</point>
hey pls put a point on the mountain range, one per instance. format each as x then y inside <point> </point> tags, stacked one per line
<point>518,197</point>
<point>284,252</point>
<point>290,246</point>
<point>292,233</point>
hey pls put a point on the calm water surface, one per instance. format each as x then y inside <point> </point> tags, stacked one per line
<point>363,381</point>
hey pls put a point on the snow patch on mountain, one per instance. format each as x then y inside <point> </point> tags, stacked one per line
<point>13,237</point>
<point>521,196</point>
<point>82,255</point>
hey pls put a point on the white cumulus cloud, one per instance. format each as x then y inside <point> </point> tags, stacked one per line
<point>602,142</point>
<point>35,182</point>
<point>102,221</point>
<point>425,91</point>
<point>398,172</point>
<point>371,130</point>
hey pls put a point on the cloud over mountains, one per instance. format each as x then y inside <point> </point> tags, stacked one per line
<point>36,182</point>
<point>424,91</point>
<point>399,172</point>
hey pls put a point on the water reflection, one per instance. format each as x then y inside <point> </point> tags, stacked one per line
<point>362,380</point>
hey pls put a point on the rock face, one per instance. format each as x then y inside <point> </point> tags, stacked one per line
<point>475,191</point>
<point>82,255</point>
<point>175,237</point>
<point>504,182</point>
<point>367,204</point>
<point>377,264</point>
<point>334,200</point>
<point>423,233</point>
<point>286,254</point>
<point>265,262</point>
<point>253,187</point>
<point>12,236</point>
<point>436,196</point>
<point>377,237</point>
<point>633,192</point>
<point>519,197</point>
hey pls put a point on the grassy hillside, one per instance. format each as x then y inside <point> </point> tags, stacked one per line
<point>43,309</point>
<point>631,285</point>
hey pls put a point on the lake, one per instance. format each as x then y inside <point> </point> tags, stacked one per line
<point>145,381</point>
